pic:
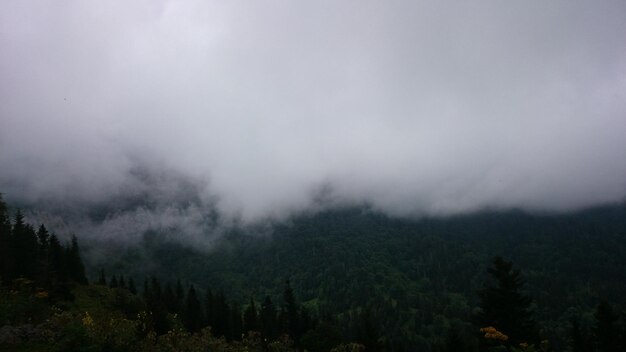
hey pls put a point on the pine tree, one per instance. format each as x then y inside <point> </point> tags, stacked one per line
<point>192,314</point>
<point>6,244</point>
<point>236,322</point>
<point>170,300</point>
<point>454,341</point>
<point>222,315</point>
<point>76,269</point>
<point>43,236</point>
<point>605,330</point>
<point>122,282</point>
<point>180,296</point>
<point>504,306</point>
<point>209,307</point>
<point>366,331</point>
<point>114,283</point>
<point>43,270</point>
<point>58,266</point>
<point>290,313</point>
<point>153,298</point>
<point>155,289</point>
<point>306,322</point>
<point>146,294</point>
<point>578,340</point>
<point>324,337</point>
<point>25,247</point>
<point>102,279</point>
<point>57,259</point>
<point>251,317</point>
<point>268,319</point>
<point>131,286</point>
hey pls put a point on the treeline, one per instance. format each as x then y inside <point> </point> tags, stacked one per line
<point>506,319</point>
<point>40,276</point>
<point>45,300</point>
<point>171,304</point>
<point>417,278</point>
<point>37,255</point>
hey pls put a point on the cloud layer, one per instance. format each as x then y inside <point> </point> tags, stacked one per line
<point>416,107</point>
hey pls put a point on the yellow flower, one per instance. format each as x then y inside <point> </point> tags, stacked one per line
<point>494,334</point>
<point>87,320</point>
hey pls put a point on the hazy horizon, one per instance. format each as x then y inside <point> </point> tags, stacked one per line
<point>262,109</point>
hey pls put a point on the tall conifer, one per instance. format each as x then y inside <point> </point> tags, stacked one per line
<point>504,306</point>
<point>251,317</point>
<point>192,313</point>
<point>6,244</point>
<point>131,286</point>
<point>269,326</point>
<point>102,279</point>
<point>76,268</point>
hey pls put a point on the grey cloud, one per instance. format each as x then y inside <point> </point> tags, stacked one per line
<point>416,107</point>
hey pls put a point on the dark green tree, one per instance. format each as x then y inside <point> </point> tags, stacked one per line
<point>454,341</point>
<point>153,298</point>
<point>43,270</point>
<point>43,236</point>
<point>606,328</point>
<point>170,300</point>
<point>131,286</point>
<point>251,317</point>
<point>156,291</point>
<point>367,330</point>
<point>209,309</point>
<point>57,259</point>
<point>60,287</point>
<point>504,305</point>
<point>290,314</point>
<point>221,309</point>
<point>192,313</point>
<point>322,338</point>
<point>579,340</point>
<point>269,324</point>
<point>102,279</point>
<point>25,247</point>
<point>76,269</point>
<point>113,283</point>
<point>305,321</point>
<point>6,244</point>
<point>180,293</point>
<point>146,294</point>
<point>236,322</point>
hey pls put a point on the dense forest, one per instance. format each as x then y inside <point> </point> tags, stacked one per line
<point>343,279</point>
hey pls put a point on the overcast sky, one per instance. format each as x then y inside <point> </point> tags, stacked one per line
<point>416,107</point>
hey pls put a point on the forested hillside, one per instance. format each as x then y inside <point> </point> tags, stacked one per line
<point>348,279</point>
<point>416,279</point>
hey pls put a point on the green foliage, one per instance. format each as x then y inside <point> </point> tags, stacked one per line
<point>606,330</point>
<point>343,260</point>
<point>389,284</point>
<point>23,303</point>
<point>75,267</point>
<point>192,314</point>
<point>269,322</point>
<point>504,306</point>
<point>251,318</point>
<point>322,338</point>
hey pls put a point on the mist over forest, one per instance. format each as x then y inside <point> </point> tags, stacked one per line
<point>415,108</point>
<point>327,176</point>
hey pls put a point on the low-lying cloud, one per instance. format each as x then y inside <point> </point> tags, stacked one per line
<point>415,107</point>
